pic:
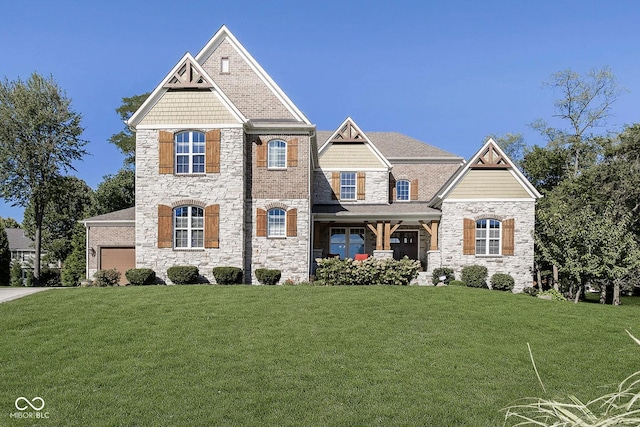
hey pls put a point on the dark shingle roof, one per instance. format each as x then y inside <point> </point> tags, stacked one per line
<point>396,145</point>
<point>128,214</point>
<point>18,240</point>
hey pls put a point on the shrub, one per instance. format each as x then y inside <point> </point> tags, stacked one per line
<point>268,277</point>
<point>227,275</point>
<point>457,283</point>
<point>183,274</point>
<point>502,282</point>
<point>372,271</point>
<point>530,290</point>
<point>555,295</point>
<point>140,276</point>
<point>474,276</point>
<point>442,271</point>
<point>50,277</point>
<point>107,277</point>
<point>16,274</point>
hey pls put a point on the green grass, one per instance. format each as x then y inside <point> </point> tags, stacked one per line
<point>243,355</point>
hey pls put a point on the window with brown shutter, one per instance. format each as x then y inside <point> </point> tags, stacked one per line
<point>469,237</point>
<point>392,189</point>
<point>261,155</point>
<point>165,152</point>
<point>165,226</point>
<point>213,151</point>
<point>212,226</point>
<point>292,152</point>
<point>292,222</point>
<point>261,222</point>
<point>508,236</point>
<point>335,185</point>
<point>414,189</point>
<point>362,177</point>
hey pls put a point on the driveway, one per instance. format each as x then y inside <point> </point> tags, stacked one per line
<point>8,294</point>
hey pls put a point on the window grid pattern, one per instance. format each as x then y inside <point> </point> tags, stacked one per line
<point>277,154</point>
<point>403,190</point>
<point>276,223</point>
<point>488,237</point>
<point>190,149</point>
<point>188,227</point>
<point>348,186</point>
<point>347,242</point>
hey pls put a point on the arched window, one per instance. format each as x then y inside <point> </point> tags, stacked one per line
<point>277,154</point>
<point>403,190</point>
<point>190,151</point>
<point>188,226</point>
<point>488,236</point>
<point>276,223</point>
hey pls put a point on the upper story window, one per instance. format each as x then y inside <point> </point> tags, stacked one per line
<point>224,65</point>
<point>277,154</point>
<point>347,185</point>
<point>188,226</point>
<point>488,236</point>
<point>276,224</point>
<point>403,190</point>
<point>190,152</point>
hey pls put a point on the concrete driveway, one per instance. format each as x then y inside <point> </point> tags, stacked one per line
<point>8,294</point>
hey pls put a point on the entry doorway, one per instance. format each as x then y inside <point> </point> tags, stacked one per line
<point>404,243</point>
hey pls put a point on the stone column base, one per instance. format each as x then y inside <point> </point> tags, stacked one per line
<point>434,260</point>
<point>383,254</point>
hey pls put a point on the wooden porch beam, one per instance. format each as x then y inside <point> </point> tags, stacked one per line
<point>434,235</point>
<point>387,236</point>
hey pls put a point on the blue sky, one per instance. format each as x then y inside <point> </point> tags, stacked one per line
<point>447,72</point>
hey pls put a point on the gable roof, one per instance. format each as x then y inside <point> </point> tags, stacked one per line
<point>193,76</point>
<point>18,240</point>
<point>224,35</point>
<point>122,217</point>
<point>490,156</point>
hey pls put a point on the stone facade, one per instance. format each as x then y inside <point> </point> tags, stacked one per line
<point>519,266</point>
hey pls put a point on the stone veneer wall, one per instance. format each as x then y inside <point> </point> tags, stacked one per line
<point>225,188</point>
<point>518,266</point>
<point>107,236</point>
<point>376,188</point>
<point>287,254</point>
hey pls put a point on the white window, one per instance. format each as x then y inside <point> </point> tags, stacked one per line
<point>488,236</point>
<point>347,242</point>
<point>188,226</point>
<point>190,148</point>
<point>403,190</point>
<point>276,223</point>
<point>347,186</point>
<point>224,65</point>
<point>277,154</point>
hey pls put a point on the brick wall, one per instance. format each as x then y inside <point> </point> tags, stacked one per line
<point>431,176</point>
<point>103,236</point>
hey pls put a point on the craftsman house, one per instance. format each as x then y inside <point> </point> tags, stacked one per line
<point>229,172</point>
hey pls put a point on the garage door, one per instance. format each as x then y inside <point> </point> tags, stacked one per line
<point>121,259</point>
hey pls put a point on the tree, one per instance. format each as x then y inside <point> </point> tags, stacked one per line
<point>5,258</point>
<point>116,192</point>
<point>546,167</point>
<point>126,140</point>
<point>74,268</point>
<point>73,198</point>
<point>9,223</point>
<point>39,141</point>
<point>512,144</point>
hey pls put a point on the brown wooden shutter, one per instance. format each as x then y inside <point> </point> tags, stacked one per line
<point>165,226</point>
<point>292,152</point>
<point>261,222</point>
<point>335,185</point>
<point>469,237</point>
<point>212,226</point>
<point>392,189</point>
<point>508,236</point>
<point>414,190</point>
<point>362,179</point>
<point>165,152</point>
<point>213,151</point>
<point>292,222</point>
<point>261,155</point>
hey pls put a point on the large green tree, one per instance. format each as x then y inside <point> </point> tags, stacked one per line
<point>9,223</point>
<point>39,141</point>
<point>5,258</point>
<point>116,192</point>
<point>125,140</point>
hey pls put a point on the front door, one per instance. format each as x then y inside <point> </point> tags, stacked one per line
<point>405,243</point>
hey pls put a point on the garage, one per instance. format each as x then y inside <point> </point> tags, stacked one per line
<point>120,258</point>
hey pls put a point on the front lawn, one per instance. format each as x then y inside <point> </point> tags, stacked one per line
<point>252,355</point>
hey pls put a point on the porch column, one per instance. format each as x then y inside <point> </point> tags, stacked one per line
<point>432,230</point>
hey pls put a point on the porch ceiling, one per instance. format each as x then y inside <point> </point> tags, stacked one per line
<point>406,212</point>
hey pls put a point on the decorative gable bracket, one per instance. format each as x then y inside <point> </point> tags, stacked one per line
<point>187,76</point>
<point>348,133</point>
<point>490,158</point>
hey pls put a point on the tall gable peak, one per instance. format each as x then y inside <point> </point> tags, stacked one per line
<point>349,132</point>
<point>188,75</point>
<point>491,157</point>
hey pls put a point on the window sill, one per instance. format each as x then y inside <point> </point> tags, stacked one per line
<point>489,256</point>
<point>188,249</point>
<point>190,174</point>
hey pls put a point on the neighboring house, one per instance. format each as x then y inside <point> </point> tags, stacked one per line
<point>22,248</point>
<point>229,172</point>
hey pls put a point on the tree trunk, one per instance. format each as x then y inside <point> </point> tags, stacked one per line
<point>539,278</point>
<point>616,292</point>
<point>578,294</point>
<point>38,214</point>
<point>603,294</point>
<point>555,278</point>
